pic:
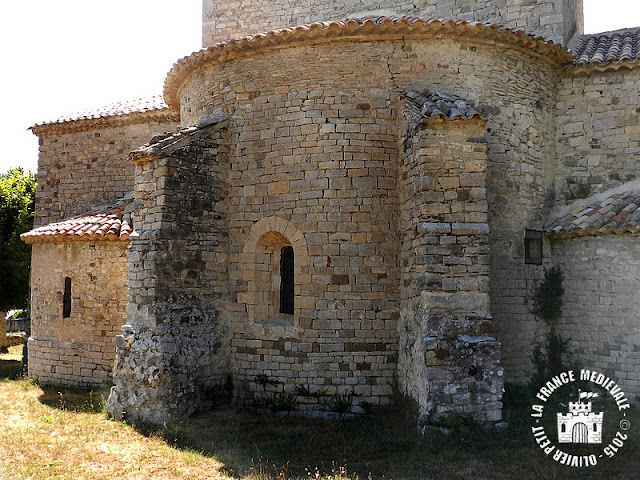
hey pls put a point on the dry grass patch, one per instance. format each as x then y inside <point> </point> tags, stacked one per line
<point>41,440</point>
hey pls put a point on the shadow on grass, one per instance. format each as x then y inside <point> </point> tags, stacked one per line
<point>10,369</point>
<point>262,448</point>
<point>73,399</point>
<point>373,447</point>
<point>11,362</point>
<point>379,447</point>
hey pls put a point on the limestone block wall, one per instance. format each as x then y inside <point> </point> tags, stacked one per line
<point>520,193</point>
<point>519,94</point>
<point>77,350</point>
<point>314,167</point>
<point>556,20</point>
<point>176,343</point>
<point>449,359</point>
<point>289,124</point>
<point>598,131</point>
<point>601,317</point>
<point>79,169</point>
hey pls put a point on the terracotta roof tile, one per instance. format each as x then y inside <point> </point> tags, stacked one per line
<point>609,47</point>
<point>615,211</point>
<point>142,109</point>
<point>443,105</point>
<point>109,222</point>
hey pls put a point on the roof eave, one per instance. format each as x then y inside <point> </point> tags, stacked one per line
<point>590,69</point>
<point>368,29</point>
<point>162,115</point>
<point>53,238</point>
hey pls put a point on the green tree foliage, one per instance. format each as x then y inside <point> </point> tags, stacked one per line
<point>17,205</point>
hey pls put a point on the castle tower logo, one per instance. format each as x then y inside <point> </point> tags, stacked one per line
<point>580,423</point>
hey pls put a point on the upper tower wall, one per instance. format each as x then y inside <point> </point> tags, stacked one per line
<point>555,20</point>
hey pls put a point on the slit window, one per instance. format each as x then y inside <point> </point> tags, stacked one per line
<point>533,247</point>
<point>286,280</point>
<point>66,299</point>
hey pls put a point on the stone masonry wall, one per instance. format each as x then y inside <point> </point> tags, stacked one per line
<point>176,343</point>
<point>321,158</point>
<point>307,138</point>
<point>519,94</point>
<point>598,132</point>
<point>556,20</point>
<point>601,317</point>
<point>449,360</point>
<point>78,350</point>
<point>77,170</point>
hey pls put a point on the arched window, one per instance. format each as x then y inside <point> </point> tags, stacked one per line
<point>275,263</point>
<point>66,298</point>
<point>286,280</point>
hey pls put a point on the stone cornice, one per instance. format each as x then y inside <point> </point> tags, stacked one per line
<point>354,30</point>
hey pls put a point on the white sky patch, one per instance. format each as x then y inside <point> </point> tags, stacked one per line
<point>65,56</point>
<point>606,15</point>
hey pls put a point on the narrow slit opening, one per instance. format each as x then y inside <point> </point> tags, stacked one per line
<point>286,280</point>
<point>66,301</point>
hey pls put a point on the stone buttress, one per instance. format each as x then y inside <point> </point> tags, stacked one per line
<point>449,359</point>
<point>175,345</point>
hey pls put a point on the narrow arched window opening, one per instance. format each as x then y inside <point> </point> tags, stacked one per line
<point>66,299</point>
<point>286,280</point>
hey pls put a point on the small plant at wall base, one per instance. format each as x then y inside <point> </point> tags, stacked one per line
<point>547,296</point>
<point>547,306</point>
<point>284,402</point>
<point>548,359</point>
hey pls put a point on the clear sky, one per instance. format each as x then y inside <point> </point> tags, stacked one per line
<point>65,56</point>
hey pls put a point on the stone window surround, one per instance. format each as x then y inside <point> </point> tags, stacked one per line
<point>261,268</point>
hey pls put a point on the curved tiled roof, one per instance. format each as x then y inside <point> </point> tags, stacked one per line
<point>443,105</point>
<point>612,212</point>
<point>368,28</point>
<point>120,113</point>
<point>609,48</point>
<point>108,223</point>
